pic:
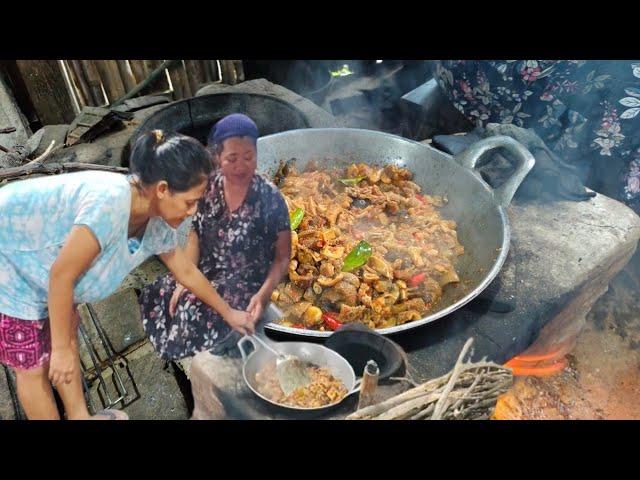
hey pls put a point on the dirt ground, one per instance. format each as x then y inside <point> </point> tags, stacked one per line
<point>602,378</point>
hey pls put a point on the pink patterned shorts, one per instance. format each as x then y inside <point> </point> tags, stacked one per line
<point>24,344</point>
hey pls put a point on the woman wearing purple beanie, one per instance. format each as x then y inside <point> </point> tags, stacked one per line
<point>241,241</point>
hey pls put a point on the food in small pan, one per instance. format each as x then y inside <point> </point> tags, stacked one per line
<point>367,246</point>
<point>324,388</point>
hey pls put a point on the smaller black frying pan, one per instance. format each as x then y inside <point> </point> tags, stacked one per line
<point>358,344</point>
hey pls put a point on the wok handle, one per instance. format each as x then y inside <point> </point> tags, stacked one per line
<point>504,193</point>
<point>241,344</point>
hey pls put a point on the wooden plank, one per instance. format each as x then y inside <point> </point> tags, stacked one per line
<point>195,75</point>
<point>139,69</point>
<point>48,91</point>
<point>110,75</point>
<point>94,81</point>
<point>77,77</point>
<point>127,75</point>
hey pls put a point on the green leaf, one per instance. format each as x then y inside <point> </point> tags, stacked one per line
<point>296,217</point>
<point>352,181</point>
<point>357,257</point>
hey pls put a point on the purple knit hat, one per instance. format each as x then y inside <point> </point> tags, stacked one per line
<point>234,125</point>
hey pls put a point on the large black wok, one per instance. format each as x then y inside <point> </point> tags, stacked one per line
<point>479,210</point>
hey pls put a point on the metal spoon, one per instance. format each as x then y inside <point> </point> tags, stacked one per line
<point>291,371</point>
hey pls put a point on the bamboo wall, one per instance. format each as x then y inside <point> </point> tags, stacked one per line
<point>56,90</point>
<point>101,82</point>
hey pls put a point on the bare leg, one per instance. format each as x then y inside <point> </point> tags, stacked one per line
<point>72,393</point>
<point>35,393</point>
<point>75,405</point>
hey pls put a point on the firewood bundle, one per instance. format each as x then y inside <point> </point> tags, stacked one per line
<point>469,392</point>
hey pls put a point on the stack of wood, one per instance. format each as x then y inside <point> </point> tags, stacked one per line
<point>469,392</point>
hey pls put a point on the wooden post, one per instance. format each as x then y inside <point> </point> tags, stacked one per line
<point>180,81</point>
<point>48,91</point>
<point>194,74</point>
<point>110,75</point>
<point>205,65</point>
<point>228,72</point>
<point>94,81</point>
<point>80,81</point>
<point>139,70</point>
<point>127,75</point>
<point>239,68</point>
<point>215,70</point>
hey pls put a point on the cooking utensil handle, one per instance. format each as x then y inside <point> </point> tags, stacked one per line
<point>504,193</point>
<point>356,387</point>
<point>241,344</point>
<point>263,342</point>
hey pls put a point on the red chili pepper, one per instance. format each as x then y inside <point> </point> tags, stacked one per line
<point>417,279</point>
<point>331,321</point>
<point>421,198</point>
<point>297,325</point>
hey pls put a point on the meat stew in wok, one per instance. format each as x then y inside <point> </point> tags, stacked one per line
<point>368,246</point>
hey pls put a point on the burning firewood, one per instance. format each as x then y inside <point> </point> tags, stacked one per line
<point>469,392</point>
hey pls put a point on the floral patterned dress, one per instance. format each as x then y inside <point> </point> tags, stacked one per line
<point>236,252</point>
<point>587,111</point>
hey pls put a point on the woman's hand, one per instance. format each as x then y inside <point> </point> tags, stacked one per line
<point>173,302</point>
<point>62,365</point>
<point>256,306</point>
<point>240,321</point>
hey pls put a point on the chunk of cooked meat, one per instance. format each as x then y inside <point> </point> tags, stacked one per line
<point>351,314</point>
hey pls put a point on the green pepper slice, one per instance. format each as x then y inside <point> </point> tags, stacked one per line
<point>296,217</point>
<point>357,257</point>
<point>352,181</point>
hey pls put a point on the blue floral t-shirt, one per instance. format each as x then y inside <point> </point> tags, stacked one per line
<point>37,215</point>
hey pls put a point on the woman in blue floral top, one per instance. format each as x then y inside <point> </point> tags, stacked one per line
<point>587,111</point>
<point>64,241</point>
